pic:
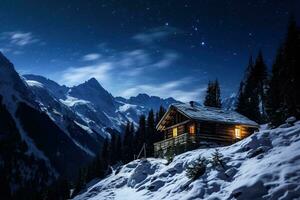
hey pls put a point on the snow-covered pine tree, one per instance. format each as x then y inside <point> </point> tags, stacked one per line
<point>196,168</point>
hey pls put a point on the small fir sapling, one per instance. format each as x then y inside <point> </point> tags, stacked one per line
<point>217,159</point>
<point>197,168</point>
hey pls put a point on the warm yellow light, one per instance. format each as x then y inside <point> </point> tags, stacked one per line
<point>237,132</point>
<point>174,132</point>
<point>192,129</point>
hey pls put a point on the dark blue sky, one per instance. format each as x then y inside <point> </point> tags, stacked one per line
<point>165,48</point>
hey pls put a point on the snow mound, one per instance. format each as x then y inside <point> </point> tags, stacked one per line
<point>265,165</point>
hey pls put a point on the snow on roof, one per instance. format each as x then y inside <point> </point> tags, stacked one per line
<point>213,114</point>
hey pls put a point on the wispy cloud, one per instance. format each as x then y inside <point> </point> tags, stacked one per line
<point>168,59</point>
<point>91,57</point>
<point>15,42</point>
<point>19,38</point>
<point>124,64</point>
<point>177,89</point>
<point>155,35</point>
<point>72,76</point>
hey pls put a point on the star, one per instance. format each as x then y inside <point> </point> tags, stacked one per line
<point>202,43</point>
<point>167,23</point>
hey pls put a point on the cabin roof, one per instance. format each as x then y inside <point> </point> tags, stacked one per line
<point>204,113</point>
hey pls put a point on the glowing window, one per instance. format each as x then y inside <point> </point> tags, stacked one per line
<point>237,133</point>
<point>174,132</point>
<point>192,129</point>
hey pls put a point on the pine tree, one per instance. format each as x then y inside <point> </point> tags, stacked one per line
<point>140,136</point>
<point>213,94</point>
<point>217,94</point>
<point>275,96</point>
<point>150,133</point>
<point>209,94</point>
<point>116,154</point>
<point>283,98</point>
<point>252,90</point>
<point>260,78</point>
<point>242,99</point>
<point>291,70</point>
<point>127,144</point>
<point>196,168</point>
<point>106,154</point>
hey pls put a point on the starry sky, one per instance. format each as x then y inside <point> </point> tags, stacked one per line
<point>165,48</point>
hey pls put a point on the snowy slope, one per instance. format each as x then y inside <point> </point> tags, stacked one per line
<point>265,165</point>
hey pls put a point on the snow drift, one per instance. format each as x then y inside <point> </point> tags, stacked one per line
<point>265,165</point>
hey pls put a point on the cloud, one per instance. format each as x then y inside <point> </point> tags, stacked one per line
<point>168,59</point>
<point>19,38</point>
<point>72,76</point>
<point>177,89</point>
<point>91,57</point>
<point>122,65</point>
<point>14,42</point>
<point>155,34</point>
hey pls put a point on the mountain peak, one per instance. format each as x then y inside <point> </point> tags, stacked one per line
<point>142,95</point>
<point>3,59</point>
<point>92,82</point>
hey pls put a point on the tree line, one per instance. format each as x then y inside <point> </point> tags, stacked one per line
<point>268,96</point>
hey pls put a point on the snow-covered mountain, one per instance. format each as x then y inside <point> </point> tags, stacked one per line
<point>149,102</point>
<point>96,106</point>
<point>265,165</point>
<point>229,103</point>
<point>133,107</point>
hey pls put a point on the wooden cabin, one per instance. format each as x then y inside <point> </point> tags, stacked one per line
<point>187,126</point>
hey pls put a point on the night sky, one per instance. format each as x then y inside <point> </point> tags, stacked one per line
<point>159,47</point>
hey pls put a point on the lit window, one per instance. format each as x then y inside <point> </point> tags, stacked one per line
<point>192,129</point>
<point>174,132</point>
<point>237,132</point>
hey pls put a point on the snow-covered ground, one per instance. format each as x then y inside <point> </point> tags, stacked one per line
<point>265,165</point>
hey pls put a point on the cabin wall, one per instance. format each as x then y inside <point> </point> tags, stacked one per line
<point>222,133</point>
<point>181,129</point>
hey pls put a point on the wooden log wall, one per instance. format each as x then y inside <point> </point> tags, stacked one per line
<point>180,130</point>
<point>223,133</point>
